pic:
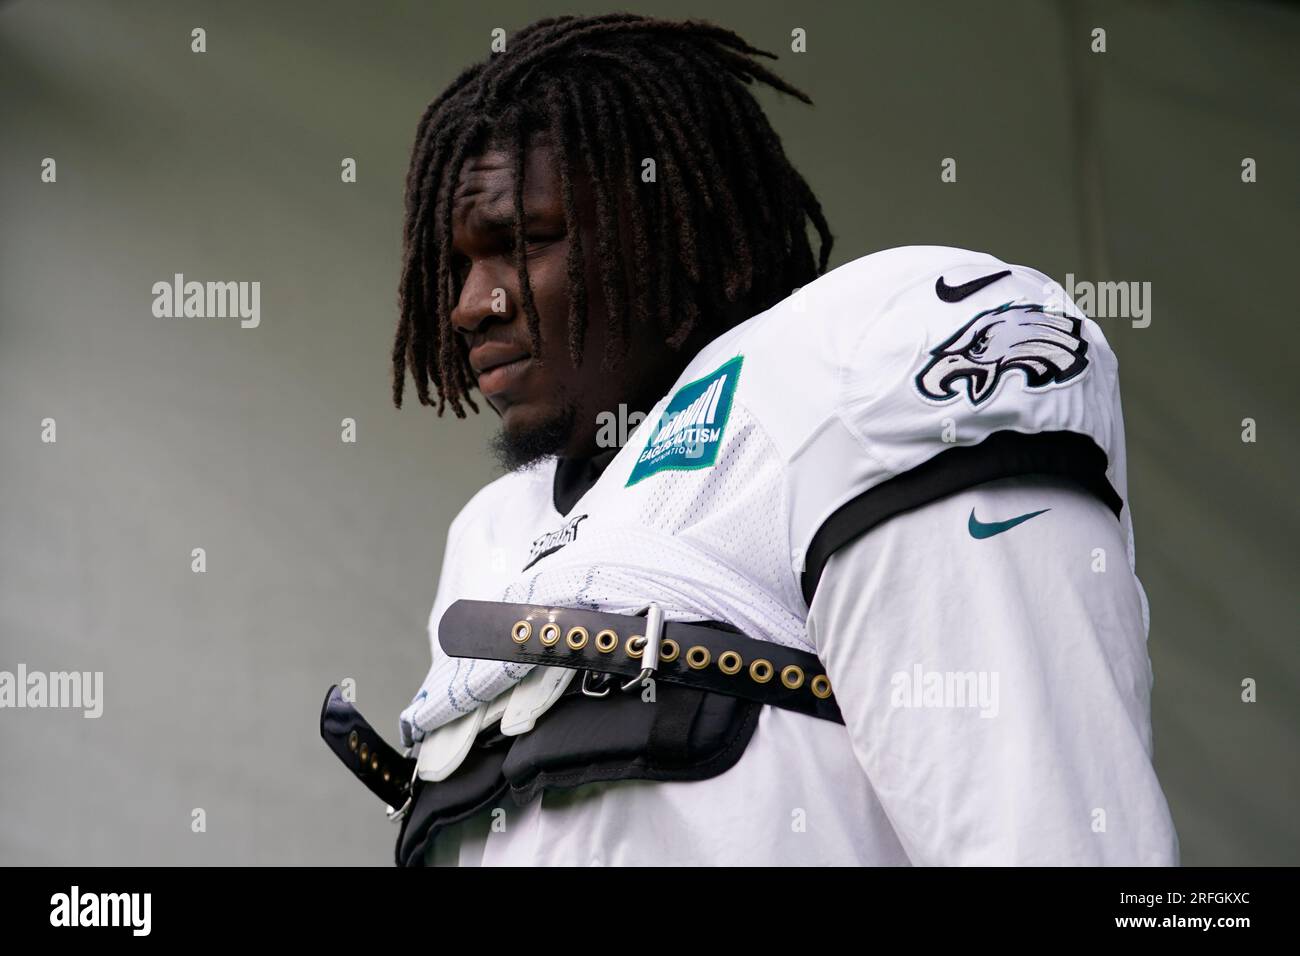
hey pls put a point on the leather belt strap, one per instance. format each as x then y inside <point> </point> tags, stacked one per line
<point>381,768</point>
<point>693,654</point>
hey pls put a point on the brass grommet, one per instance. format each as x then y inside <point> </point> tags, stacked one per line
<point>698,657</point>
<point>821,686</point>
<point>792,676</point>
<point>760,671</point>
<point>635,645</point>
<point>669,649</point>
<point>353,740</point>
<point>374,761</point>
<point>729,662</point>
<point>550,634</point>
<point>521,632</point>
<point>577,637</point>
<point>388,775</point>
<point>365,754</point>
<point>606,641</point>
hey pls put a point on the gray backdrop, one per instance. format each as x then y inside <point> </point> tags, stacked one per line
<point>322,556</point>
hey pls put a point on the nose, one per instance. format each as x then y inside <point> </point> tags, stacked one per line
<point>483,298</point>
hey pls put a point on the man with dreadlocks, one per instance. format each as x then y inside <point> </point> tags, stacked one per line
<point>772,627</point>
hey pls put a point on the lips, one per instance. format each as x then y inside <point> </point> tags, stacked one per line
<point>496,365</point>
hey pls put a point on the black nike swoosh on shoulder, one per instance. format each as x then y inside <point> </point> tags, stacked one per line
<point>955,293</point>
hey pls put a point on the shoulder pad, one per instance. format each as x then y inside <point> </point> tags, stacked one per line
<point>926,356</point>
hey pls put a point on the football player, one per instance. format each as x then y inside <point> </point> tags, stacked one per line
<point>859,590</point>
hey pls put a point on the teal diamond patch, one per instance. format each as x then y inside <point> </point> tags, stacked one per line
<point>689,432</point>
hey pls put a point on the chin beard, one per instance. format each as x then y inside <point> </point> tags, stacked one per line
<point>516,450</point>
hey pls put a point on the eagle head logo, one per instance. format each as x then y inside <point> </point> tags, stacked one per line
<point>1043,344</point>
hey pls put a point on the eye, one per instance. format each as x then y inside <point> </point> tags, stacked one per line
<point>536,240</point>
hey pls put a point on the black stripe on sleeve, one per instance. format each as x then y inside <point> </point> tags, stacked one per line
<point>1002,455</point>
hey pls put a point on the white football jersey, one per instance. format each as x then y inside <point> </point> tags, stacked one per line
<point>900,381</point>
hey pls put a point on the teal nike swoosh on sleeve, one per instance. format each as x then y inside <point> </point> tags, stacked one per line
<point>980,529</point>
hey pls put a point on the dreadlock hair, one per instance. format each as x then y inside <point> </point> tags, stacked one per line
<point>726,224</point>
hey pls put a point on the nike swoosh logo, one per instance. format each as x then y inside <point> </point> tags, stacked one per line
<point>955,293</point>
<point>979,529</point>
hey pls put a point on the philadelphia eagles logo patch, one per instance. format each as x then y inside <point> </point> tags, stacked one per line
<point>1044,345</point>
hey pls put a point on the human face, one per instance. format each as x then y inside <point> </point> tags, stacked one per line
<point>547,403</point>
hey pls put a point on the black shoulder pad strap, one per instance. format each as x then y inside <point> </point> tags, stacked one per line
<point>693,654</point>
<point>381,768</point>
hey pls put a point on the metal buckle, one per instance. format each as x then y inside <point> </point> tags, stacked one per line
<point>396,816</point>
<point>654,632</point>
<point>591,691</point>
<point>649,642</point>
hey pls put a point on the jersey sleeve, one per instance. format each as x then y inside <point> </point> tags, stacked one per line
<point>995,684</point>
<point>914,373</point>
